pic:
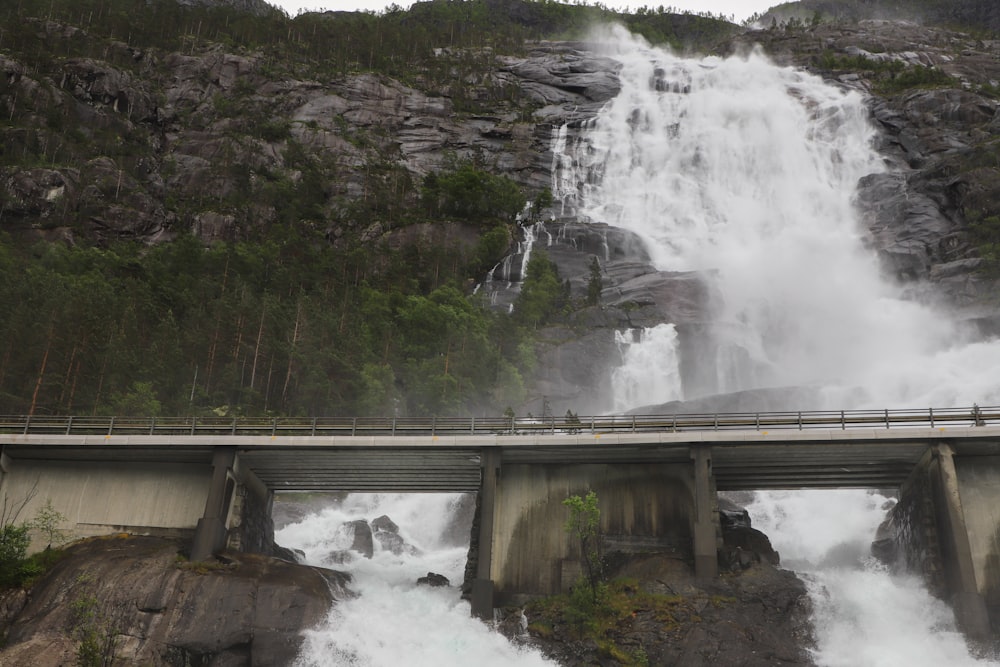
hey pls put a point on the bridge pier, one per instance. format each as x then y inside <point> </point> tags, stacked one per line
<point>482,585</point>
<point>953,533</point>
<point>706,544</point>
<point>211,532</point>
<point>4,469</point>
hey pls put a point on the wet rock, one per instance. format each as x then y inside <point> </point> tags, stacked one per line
<point>362,537</point>
<point>386,533</point>
<point>732,515</point>
<point>434,580</point>
<point>384,524</point>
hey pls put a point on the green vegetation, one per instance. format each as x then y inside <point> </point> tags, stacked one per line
<point>603,620</point>
<point>98,628</point>
<point>888,76</point>
<point>288,325</point>
<point>594,283</point>
<point>584,525</point>
<point>470,193</point>
<point>985,234</point>
<point>543,296</point>
<point>395,42</point>
<point>17,568</point>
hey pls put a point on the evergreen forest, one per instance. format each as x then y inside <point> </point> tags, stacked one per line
<point>278,319</point>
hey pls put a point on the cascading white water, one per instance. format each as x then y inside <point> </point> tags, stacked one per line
<point>393,621</point>
<point>650,372</point>
<point>863,614</point>
<point>746,171</point>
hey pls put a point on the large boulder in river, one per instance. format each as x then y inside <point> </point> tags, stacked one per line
<point>386,533</point>
<point>159,610</point>
<point>362,537</point>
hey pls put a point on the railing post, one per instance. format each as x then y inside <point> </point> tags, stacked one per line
<point>633,423</point>
<point>757,417</point>
<point>274,427</point>
<point>800,420</point>
<point>843,421</point>
<point>193,422</point>
<point>354,426</point>
<point>152,425</point>
<point>434,421</point>
<point>887,417</point>
<point>27,423</point>
<point>715,426</point>
<point>593,422</point>
<point>394,426</point>
<point>931,412</point>
<point>111,426</point>
<point>234,425</point>
<point>313,431</point>
<point>472,425</point>
<point>69,424</point>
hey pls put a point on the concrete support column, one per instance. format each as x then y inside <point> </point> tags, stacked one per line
<point>482,585</point>
<point>706,558</point>
<point>4,469</point>
<point>210,535</point>
<point>969,605</point>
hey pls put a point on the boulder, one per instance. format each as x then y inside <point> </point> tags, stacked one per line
<point>386,533</point>
<point>362,537</point>
<point>242,610</point>
<point>433,579</point>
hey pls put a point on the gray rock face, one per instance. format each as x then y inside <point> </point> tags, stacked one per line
<point>576,357</point>
<point>362,543</point>
<point>245,610</point>
<point>566,74</point>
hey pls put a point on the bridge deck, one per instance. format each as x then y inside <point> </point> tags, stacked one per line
<point>742,459</point>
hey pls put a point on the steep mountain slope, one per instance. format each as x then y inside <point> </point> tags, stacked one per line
<point>290,213</point>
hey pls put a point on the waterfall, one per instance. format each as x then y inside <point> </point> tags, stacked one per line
<point>649,373</point>
<point>746,172</point>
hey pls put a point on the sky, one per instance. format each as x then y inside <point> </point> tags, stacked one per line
<point>741,9</point>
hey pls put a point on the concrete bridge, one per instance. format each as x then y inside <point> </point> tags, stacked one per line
<point>657,477</point>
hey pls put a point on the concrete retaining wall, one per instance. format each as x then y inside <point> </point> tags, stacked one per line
<point>103,498</point>
<point>646,507</point>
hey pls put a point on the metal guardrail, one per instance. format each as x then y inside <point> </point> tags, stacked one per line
<point>456,426</point>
